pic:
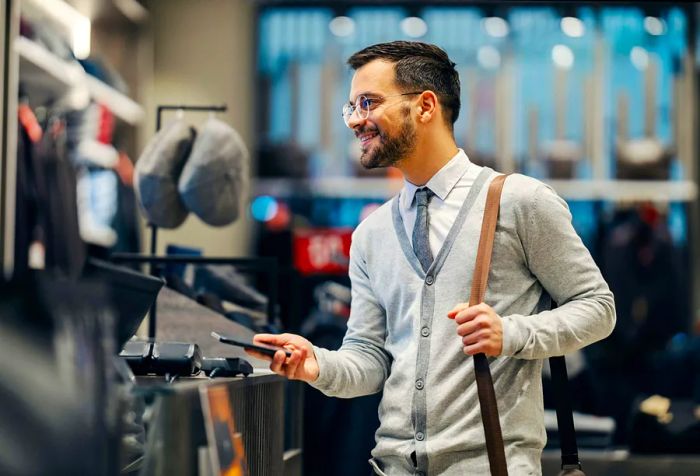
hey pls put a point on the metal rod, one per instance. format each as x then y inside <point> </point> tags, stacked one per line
<point>154,228</point>
<point>152,271</point>
<point>272,276</point>
<point>184,107</point>
<point>252,263</point>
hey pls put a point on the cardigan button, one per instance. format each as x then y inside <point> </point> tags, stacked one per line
<point>425,331</point>
<point>419,384</point>
<point>420,436</point>
<point>429,280</point>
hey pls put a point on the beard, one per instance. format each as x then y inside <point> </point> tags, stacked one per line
<point>391,149</point>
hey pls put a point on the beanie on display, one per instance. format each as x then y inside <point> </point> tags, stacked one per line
<point>157,173</point>
<point>214,180</point>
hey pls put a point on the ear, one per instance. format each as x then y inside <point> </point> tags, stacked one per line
<point>428,106</point>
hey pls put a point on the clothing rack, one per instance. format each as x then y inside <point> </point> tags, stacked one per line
<point>154,228</point>
<point>263,265</point>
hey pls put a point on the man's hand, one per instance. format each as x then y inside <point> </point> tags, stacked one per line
<point>301,365</point>
<point>479,327</point>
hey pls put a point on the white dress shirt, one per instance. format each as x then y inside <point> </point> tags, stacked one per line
<point>450,184</point>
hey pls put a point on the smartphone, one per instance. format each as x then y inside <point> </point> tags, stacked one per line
<point>262,348</point>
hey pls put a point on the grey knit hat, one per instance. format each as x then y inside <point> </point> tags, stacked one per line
<point>214,181</point>
<point>157,173</point>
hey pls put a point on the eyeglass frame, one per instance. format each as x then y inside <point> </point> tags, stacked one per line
<point>354,107</point>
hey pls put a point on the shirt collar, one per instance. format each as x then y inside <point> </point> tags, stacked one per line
<point>442,182</point>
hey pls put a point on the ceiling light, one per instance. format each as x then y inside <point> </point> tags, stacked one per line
<point>488,57</point>
<point>342,26</point>
<point>573,27</point>
<point>496,26</point>
<point>654,26</point>
<point>414,27</point>
<point>639,58</point>
<point>563,57</point>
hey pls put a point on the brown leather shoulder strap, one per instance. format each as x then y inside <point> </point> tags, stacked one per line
<point>488,231</point>
<point>484,382</point>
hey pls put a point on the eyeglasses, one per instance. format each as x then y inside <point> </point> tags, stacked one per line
<point>364,104</point>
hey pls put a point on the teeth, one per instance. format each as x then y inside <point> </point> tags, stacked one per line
<point>367,137</point>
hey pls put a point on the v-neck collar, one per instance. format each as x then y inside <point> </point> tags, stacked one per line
<point>451,235</point>
<point>442,183</point>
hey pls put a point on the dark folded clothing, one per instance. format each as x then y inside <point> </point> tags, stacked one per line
<point>229,285</point>
<point>254,320</point>
<point>176,283</point>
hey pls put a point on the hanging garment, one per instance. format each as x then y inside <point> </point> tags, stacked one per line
<point>46,213</point>
<point>65,249</point>
<point>645,272</point>
<point>27,210</point>
<point>125,223</point>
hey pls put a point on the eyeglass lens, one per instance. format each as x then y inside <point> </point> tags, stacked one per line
<point>362,104</point>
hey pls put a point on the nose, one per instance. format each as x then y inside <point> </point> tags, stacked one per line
<point>355,121</point>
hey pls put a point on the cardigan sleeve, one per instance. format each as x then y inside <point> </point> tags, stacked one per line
<point>557,257</point>
<point>361,365</point>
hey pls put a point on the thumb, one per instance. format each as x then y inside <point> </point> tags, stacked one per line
<point>271,339</point>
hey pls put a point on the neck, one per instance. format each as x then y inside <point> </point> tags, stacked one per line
<point>433,150</point>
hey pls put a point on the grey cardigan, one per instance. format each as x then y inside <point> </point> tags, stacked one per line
<point>400,340</point>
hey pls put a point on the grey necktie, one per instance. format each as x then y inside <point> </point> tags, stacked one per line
<point>421,245</point>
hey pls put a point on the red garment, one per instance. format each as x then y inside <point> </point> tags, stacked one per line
<point>105,131</point>
<point>30,123</point>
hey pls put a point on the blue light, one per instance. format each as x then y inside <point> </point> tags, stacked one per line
<point>264,208</point>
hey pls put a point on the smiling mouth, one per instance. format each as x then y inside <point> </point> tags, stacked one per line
<point>365,138</point>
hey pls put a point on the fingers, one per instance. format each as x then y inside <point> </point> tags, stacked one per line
<point>479,327</point>
<point>271,339</point>
<point>258,355</point>
<point>478,348</point>
<point>458,308</point>
<point>486,341</point>
<point>481,321</point>
<point>476,337</point>
<point>294,362</point>
<point>488,348</point>
<point>289,341</point>
<point>292,367</point>
<point>288,367</point>
<point>278,362</point>
<point>463,312</point>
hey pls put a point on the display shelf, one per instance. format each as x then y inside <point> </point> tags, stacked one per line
<point>380,188</point>
<point>626,190</point>
<point>43,72</point>
<point>337,187</point>
<point>46,75</point>
<point>122,106</point>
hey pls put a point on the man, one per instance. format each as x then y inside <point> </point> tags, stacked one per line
<point>411,263</point>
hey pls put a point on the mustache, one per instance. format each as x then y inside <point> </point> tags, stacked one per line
<point>365,130</point>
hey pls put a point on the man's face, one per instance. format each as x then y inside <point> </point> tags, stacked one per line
<point>388,134</point>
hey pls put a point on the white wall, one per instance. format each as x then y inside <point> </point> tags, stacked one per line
<point>203,53</point>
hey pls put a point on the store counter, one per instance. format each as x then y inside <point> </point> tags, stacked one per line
<point>177,438</point>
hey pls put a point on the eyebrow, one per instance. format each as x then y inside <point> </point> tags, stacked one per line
<point>364,93</point>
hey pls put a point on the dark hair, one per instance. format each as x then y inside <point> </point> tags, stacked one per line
<point>418,66</point>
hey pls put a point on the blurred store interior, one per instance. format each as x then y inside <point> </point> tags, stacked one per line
<point>597,99</point>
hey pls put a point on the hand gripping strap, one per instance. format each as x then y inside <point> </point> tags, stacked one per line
<point>484,382</point>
